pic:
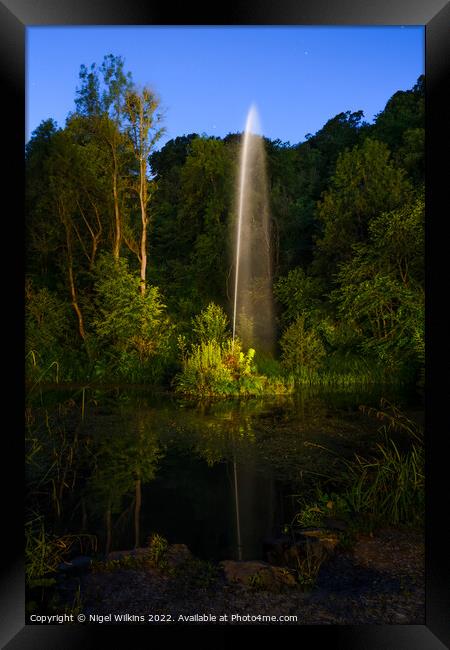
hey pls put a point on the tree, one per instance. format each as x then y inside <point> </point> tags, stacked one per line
<point>143,131</point>
<point>299,294</point>
<point>126,456</point>
<point>404,110</point>
<point>340,133</point>
<point>192,203</point>
<point>302,348</point>
<point>381,290</point>
<point>132,329</point>
<point>101,102</point>
<point>366,183</point>
<point>43,234</point>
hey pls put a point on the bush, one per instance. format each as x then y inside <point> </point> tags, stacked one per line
<point>211,324</point>
<point>217,366</point>
<point>48,336</point>
<point>302,349</point>
<point>132,331</point>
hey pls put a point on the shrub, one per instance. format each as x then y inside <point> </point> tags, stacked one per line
<point>216,365</point>
<point>211,324</point>
<point>302,349</point>
<point>48,335</point>
<point>132,331</point>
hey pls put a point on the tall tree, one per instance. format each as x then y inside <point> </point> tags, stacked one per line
<point>143,131</point>
<point>101,99</point>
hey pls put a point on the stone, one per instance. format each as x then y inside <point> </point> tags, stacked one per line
<point>257,574</point>
<point>177,554</point>
<point>327,540</point>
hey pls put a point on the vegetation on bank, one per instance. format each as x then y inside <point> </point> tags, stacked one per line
<point>127,246</point>
<point>387,488</point>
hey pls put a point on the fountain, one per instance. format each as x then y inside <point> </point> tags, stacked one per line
<point>253,318</point>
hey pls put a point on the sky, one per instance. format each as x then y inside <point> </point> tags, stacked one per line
<point>207,77</point>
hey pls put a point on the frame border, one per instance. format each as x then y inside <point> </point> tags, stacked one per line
<point>15,16</point>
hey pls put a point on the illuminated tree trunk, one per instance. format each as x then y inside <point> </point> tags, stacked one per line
<point>143,203</point>
<point>117,222</point>
<point>72,286</point>
<point>140,108</point>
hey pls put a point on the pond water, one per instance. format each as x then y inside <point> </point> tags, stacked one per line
<point>220,477</point>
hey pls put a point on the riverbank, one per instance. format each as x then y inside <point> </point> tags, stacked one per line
<point>380,580</point>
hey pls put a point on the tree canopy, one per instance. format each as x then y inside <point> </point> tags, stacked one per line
<point>128,244</point>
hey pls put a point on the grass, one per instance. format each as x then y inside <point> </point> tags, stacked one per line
<point>43,555</point>
<point>388,488</point>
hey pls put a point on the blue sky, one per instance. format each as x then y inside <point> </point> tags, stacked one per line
<point>207,77</point>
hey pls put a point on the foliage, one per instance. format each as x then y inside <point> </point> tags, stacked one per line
<point>112,226</point>
<point>44,552</point>
<point>132,328</point>
<point>302,349</point>
<point>217,366</point>
<point>390,486</point>
<point>298,293</point>
<point>387,488</point>
<point>46,329</point>
<point>381,290</point>
<point>308,566</point>
<point>325,504</point>
<point>211,324</point>
<point>157,550</point>
<point>365,183</point>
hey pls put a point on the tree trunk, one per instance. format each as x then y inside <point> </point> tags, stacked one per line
<point>83,515</point>
<point>143,201</point>
<point>108,529</point>
<point>72,286</point>
<point>137,512</point>
<point>117,229</point>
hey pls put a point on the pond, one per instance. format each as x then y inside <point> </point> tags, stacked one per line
<point>117,465</point>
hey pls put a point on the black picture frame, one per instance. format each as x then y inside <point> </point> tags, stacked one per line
<point>15,16</point>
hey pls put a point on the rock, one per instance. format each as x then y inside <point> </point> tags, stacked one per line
<point>327,540</point>
<point>257,574</point>
<point>177,554</point>
<point>288,552</point>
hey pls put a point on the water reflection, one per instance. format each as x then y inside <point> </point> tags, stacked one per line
<point>216,476</point>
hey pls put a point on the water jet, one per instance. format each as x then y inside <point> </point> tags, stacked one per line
<point>253,318</point>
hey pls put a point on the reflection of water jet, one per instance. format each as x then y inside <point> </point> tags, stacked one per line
<point>253,309</point>
<point>238,519</point>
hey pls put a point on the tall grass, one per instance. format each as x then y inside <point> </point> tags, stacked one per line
<point>386,488</point>
<point>44,552</point>
<point>390,486</point>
